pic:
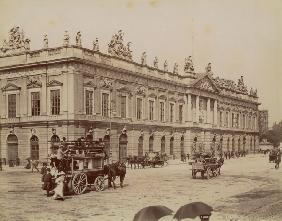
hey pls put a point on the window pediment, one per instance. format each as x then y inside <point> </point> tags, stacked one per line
<point>54,83</point>
<point>152,95</point>
<point>89,84</point>
<point>10,87</point>
<point>162,97</point>
<point>34,84</point>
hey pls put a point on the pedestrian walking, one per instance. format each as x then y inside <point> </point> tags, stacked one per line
<point>43,171</point>
<point>47,181</point>
<point>59,189</point>
<point>278,159</point>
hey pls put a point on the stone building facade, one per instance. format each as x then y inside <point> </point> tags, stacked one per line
<point>263,121</point>
<point>66,91</point>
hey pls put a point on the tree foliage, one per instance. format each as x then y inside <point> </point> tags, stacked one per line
<point>275,135</point>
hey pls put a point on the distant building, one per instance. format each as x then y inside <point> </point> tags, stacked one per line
<point>68,91</point>
<point>263,121</point>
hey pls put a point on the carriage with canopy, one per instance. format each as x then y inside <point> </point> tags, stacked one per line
<point>83,166</point>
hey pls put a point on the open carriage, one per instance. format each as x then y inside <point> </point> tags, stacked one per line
<point>207,165</point>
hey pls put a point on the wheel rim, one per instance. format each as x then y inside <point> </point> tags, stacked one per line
<point>79,183</point>
<point>99,183</point>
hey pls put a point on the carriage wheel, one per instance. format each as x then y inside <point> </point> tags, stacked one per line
<point>99,183</point>
<point>193,174</point>
<point>203,174</point>
<point>79,183</point>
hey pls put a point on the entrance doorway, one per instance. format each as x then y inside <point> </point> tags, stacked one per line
<point>123,147</point>
<point>12,146</point>
<point>34,148</point>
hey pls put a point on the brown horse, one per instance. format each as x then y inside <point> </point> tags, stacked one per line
<point>113,170</point>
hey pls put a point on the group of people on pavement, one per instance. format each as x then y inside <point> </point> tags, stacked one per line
<point>234,154</point>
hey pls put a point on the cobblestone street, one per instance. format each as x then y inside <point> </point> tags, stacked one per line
<point>248,189</point>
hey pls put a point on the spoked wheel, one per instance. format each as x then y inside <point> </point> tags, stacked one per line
<point>79,183</point>
<point>209,173</point>
<point>99,183</point>
<point>193,174</point>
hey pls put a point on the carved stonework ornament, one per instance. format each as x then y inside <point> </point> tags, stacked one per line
<point>141,90</point>
<point>17,43</point>
<point>188,65</point>
<point>66,39</point>
<point>143,58</point>
<point>78,39</point>
<point>89,84</point>
<point>205,85</point>
<point>209,68</point>
<point>165,66</point>
<point>33,83</point>
<point>45,41</point>
<point>117,48</point>
<point>175,68</point>
<point>54,83</point>
<point>96,45</point>
<point>106,83</point>
<point>156,62</point>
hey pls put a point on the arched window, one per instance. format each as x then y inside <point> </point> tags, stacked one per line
<point>151,143</point>
<point>34,147</point>
<point>182,145</point>
<point>163,144</point>
<point>171,146</point>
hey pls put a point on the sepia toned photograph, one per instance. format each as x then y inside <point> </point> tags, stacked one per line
<point>140,110</point>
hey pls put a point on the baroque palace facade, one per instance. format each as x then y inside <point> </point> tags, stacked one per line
<point>70,91</point>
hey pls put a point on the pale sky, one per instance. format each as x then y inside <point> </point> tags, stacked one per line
<point>239,37</point>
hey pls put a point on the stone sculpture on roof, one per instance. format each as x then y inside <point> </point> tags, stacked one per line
<point>209,69</point>
<point>165,66</point>
<point>175,68</point>
<point>96,45</point>
<point>241,86</point>
<point>188,65</point>
<point>117,48</point>
<point>78,39</point>
<point>156,62</point>
<point>143,58</point>
<point>253,92</point>
<point>66,39</point>
<point>17,42</point>
<point>45,41</point>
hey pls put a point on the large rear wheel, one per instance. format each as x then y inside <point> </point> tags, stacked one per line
<point>79,183</point>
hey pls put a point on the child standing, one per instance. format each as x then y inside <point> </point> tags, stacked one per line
<point>47,181</point>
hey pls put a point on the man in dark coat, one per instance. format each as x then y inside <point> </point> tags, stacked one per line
<point>278,159</point>
<point>47,181</point>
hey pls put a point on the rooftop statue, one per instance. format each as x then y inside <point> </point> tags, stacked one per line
<point>165,66</point>
<point>96,45</point>
<point>143,58</point>
<point>78,39</point>
<point>209,68</point>
<point>66,39</point>
<point>45,41</point>
<point>188,65</point>
<point>117,48</point>
<point>156,62</point>
<point>16,43</point>
<point>175,68</point>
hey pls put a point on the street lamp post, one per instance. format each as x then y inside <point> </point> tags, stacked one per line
<point>111,110</point>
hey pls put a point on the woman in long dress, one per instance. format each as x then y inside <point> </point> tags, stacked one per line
<point>59,190</point>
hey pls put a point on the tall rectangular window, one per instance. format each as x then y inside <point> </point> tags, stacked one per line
<point>105,105</point>
<point>89,102</point>
<point>232,120</point>
<point>139,108</point>
<point>180,113</point>
<point>123,106</point>
<point>220,119</point>
<point>35,103</point>
<point>162,111</point>
<point>243,121</point>
<point>151,110</point>
<point>55,102</point>
<point>226,118</point>
<point>12,105</point>
<point>171,112</point>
